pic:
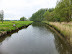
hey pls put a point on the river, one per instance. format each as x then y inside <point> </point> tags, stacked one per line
<point>35,39</point>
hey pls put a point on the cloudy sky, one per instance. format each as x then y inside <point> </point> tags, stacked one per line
<point>14,9</point>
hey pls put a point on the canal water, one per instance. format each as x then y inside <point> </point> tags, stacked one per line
<point>35,39</point>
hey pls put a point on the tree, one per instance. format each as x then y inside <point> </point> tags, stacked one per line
<point>63,10</point>
<point>46,15</point>
<point>51,9</point>
<point>38,16</point>
<point>50,15</point>
<point>1,15</point>
<point>22,19</point>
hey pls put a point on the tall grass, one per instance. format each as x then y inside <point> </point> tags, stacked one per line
<point>64,27</point>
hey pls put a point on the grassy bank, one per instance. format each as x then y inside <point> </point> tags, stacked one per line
<point>8,25</point>
<point>64,28</point>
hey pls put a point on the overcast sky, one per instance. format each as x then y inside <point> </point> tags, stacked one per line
<point>14,9</point>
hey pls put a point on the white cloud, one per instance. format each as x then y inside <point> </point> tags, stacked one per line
<point>14,9</point>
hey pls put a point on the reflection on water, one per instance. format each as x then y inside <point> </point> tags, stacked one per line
<point>36,39</point>
<point>61,46</point>
<point>38,24</point>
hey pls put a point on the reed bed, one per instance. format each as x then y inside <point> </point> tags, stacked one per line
<point>64,27</point>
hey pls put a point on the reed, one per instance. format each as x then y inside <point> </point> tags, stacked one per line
<point>64,27</point>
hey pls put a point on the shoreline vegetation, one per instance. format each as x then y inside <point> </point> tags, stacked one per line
<point>59,18</point>
<point>10,26</point>
<point>63,28</point>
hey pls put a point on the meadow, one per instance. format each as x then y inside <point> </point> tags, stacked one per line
<point>8,25</point>
<point>64,28</point>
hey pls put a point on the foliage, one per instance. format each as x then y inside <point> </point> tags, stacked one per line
<point>22,19</point>
<point>51,9</point>
<point>62,11</point>
<point>1,15</point>
<point>49,15</point>
<point>46,15</point>
<point>38,16</point>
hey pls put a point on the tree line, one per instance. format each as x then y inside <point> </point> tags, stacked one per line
<point>38,16</point>
<point>62,12</point>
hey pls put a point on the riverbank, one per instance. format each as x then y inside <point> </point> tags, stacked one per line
<point>11,26</point>
<point>65,29</point>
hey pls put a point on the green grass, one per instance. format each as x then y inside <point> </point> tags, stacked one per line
<point>8,25</point>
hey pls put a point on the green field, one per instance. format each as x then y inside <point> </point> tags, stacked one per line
<point>8,25</point>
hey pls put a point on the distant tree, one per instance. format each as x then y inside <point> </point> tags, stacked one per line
<point>38,16</point>
<point>62,12</point>
<point>51,9</point>
<point>22,19</point>
<point>46,15</point>
<point>49,15</point>
<point>1,15</point>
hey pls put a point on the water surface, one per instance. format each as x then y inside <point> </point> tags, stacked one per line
<point>35,39</point>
